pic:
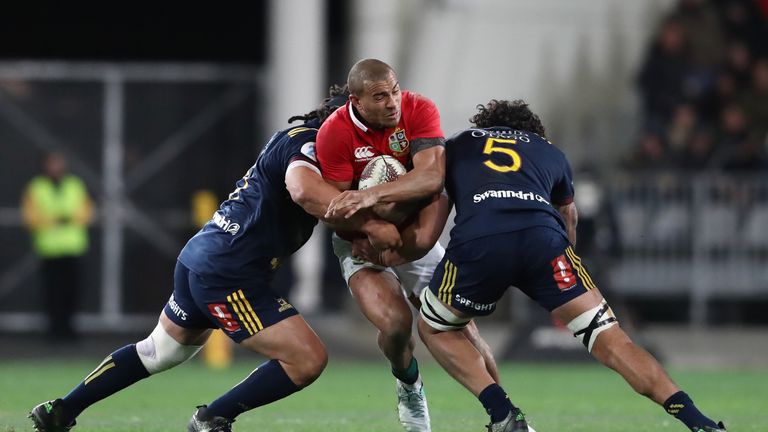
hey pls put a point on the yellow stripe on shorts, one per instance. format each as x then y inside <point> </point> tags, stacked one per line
<point>245,319</point>
<point>585,278</point>
<point>250,309</point>
<point>449,280</point>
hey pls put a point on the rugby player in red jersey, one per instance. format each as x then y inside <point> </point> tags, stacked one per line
<point>380,119</point>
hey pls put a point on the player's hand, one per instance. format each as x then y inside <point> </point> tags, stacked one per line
<point>350,202</point>
<point>382,235</point>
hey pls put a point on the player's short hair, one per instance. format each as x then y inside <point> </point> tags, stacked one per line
<point>369,69</point>
<point>337,97</point>
<point>514,114</point>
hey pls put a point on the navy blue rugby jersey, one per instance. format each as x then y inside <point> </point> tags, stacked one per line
<point>504,180</point>
<point>259,224</point>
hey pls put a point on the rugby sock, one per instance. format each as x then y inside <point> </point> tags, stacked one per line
<point>266,384</point>
<point>681,406</point>
<point>409,375</point>
<point>496,402</point>
<point>119,370</point>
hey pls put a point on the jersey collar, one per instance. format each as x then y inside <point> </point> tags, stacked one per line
<point>355,120</point>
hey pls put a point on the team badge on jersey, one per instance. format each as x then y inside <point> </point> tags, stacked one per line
<point>398,143</point>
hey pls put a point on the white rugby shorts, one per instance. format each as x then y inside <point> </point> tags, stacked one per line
<point>414,276</point>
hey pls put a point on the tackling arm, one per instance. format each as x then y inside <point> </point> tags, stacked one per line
<point>313,194</point>
<point>424,180</point>
<point>418,237</point>
<point>571,217</point>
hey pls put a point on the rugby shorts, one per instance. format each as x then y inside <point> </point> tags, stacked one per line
<point>539,261</point>
<point>413,276</point>
<point>239,309</point>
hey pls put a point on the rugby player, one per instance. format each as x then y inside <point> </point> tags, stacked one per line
<point>222,279</point>
<point>516,225</point>
<point>380,119</point>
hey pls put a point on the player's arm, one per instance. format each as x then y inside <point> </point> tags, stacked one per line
<point>308,189</point>
<point>571,217</point>
<point>418,238</point>
<point>424,180</point>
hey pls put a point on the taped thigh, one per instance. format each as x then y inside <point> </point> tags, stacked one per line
<point>437,315</point>
<point>159,351</point>
<point>591,323</point>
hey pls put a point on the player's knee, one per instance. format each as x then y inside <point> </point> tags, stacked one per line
<point>160,352</point>
<point>311,363</point>
<point>590,324</point>
<point>437,315</point>
<point>396,324</point>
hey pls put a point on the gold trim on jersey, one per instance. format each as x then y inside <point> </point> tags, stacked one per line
<point>295,131</point>
<point>448,282</point>
<point>100,369</point>
<point>244,311</point>
<point>582,271</point>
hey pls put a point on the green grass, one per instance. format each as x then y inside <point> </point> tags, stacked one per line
<point>360,397</point>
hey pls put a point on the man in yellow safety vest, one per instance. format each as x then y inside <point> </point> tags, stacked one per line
<point>57,210</point>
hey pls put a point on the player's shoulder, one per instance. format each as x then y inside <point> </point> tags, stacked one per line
<point>339,119</point>
<point>336,128</point>
<point>417,101</point>
<point>302,132</point>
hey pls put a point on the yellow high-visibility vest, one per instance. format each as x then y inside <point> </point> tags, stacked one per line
<point>57,215</point>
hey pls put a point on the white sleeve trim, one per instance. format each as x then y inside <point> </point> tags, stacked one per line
<point>301,163</point>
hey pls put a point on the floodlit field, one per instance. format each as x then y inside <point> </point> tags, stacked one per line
<point>360,397</point>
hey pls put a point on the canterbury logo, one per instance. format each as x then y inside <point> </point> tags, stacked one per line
<point>364,152</point>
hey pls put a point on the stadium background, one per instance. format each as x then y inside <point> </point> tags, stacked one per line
<point>154,107</point>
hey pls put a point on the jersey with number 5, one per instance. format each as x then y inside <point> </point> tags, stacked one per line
<point>259,224</point>
<point>503,180</point>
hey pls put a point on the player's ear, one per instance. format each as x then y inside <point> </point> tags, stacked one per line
<point>355,101</point>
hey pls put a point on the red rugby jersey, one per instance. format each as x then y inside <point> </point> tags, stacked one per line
<point>345,144</point>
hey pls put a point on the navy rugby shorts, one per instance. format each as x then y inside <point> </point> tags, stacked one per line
<point>539,261</point>
<point>240,310</point>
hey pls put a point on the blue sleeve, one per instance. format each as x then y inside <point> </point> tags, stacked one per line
<point>562,190</point>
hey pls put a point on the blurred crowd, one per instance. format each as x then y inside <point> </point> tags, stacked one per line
<point>704,89</point>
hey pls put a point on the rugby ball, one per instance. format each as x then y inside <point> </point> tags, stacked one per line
<point>381,169</point>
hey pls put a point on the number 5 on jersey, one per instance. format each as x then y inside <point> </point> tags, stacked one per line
<point>491,147</point>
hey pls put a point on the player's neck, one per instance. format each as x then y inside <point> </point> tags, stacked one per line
<point>365,122</point>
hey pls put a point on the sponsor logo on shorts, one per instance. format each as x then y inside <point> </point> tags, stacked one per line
<point>221,313</point>
<point>563,273</point>
<point>284,305</point>
<point>176,309</point>
<point>481,307</point>
<point>525,196</point>
<point>364,153</point>
<point>225,224</point>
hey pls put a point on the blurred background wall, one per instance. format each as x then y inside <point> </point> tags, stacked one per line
<point>660,106</point>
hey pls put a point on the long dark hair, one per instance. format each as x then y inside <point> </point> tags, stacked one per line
<point>337,97</point>
<point>514,114</point>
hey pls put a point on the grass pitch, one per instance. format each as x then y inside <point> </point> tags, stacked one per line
<point>361,397</point>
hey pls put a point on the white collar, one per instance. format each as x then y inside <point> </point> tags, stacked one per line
<point>355,120</point>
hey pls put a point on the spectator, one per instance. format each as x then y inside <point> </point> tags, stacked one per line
<point>755,101</point>
<point>663,74</point>
<point>57,210</point>
<point>650,154</point>
<point>698,152</point>
<point>747,156</point>
<point>701,24</point>
<point>738,62</point>
<point>743,20</point>
<point>682,127</point>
